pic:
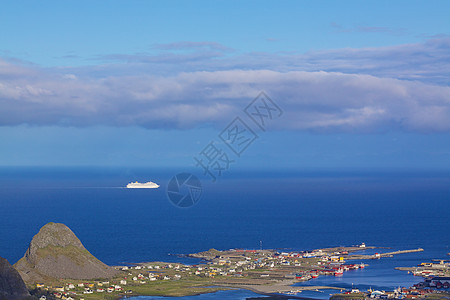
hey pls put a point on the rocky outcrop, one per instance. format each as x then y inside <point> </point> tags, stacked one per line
<point>56,252</point>
<point>11,284</point>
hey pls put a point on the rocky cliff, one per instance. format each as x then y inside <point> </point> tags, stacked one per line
<point>11,284</point>
<point>56,252</point>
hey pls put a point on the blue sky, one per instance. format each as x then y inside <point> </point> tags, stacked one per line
<point>46,33</point>
<point>363,84</point>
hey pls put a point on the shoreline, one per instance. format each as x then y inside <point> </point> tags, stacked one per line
<point>283,288</point>
<point>265,272</point>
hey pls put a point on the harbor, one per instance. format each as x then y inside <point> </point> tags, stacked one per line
<point>266,272</point>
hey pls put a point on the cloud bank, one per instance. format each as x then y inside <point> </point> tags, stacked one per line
<point>347,90</point>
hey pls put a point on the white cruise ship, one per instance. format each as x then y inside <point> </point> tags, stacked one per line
<point>146,185</point>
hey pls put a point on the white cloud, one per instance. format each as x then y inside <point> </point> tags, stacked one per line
<point>362,97</point>
<point>426,62</point>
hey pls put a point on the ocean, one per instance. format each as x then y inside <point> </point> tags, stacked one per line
<point>293,210</point>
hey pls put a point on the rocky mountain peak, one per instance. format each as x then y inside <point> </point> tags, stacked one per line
<point>56,252</point>
<point>52,234</point>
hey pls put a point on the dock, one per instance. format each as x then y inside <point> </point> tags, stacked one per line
<point>380,255</point>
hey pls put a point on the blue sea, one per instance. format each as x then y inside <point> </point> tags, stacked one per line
<point>293,210</point>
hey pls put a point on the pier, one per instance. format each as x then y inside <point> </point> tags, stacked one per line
<point>380,255</point>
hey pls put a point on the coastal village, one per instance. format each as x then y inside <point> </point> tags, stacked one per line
<point>267,272</point>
